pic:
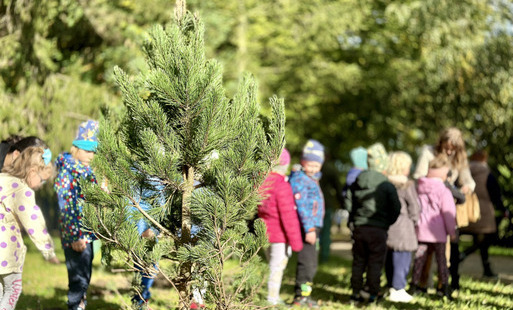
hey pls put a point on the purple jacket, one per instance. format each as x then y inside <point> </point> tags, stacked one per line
<point>278,211</point>
<point>437,211</point>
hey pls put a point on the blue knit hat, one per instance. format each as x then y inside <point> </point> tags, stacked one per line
<point>359,157</point>
<point>87,136</point>
<point>313,151</point>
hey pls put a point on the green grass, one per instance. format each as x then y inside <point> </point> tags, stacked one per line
<point>45,287</point>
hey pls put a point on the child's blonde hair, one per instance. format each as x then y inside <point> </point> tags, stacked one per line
<point>440,161</point>
<point>398,162</point>
<point>30,158</point>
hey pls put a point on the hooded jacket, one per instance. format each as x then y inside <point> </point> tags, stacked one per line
<point>309,200</point>
<point>71,173</point>
<point>401,235</point>
<point>372,201</point>
<point>437,211</point>
<point>278,211</point>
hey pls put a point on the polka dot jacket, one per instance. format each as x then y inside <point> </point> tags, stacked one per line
<point>18,209</point>
<point>71,173</point>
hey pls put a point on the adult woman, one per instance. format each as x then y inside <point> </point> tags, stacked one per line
<point>489,194</point>
<point>450,142</point>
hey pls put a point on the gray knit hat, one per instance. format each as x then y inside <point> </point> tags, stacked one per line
<point>377,157</point>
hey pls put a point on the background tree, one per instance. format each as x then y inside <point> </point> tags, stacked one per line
<point>352,72</point>
<point>177,117</point>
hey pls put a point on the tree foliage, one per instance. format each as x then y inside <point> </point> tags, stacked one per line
<point>203,154</point>
<point>352,72</point>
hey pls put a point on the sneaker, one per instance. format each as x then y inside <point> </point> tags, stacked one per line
<point>399,296</point>
<point>278,302</point>
<point>490,274</point>
<point>417,290</point>
<point>304,301</point>
<point>355,299</point>
<point>445,292</point>
<point>365,295</point>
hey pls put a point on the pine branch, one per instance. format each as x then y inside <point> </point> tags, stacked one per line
<point>150,218</point>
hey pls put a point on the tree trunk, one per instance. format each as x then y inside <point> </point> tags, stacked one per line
<point>184,277</point>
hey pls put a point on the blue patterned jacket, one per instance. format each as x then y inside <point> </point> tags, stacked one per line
<point>309,200</point>
<point>71,173</point>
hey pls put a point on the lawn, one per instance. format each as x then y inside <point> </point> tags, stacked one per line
<point>45,287</point>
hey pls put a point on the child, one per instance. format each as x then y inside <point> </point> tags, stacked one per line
<point>310,208</point>
<point>18,208</point>
<point>73,170</point>
<point>437,220</point>
<point>278,211</point>
<point>17,146</point>
<point>144,196</point>
<point>402,240</point>
<point>373,206</point>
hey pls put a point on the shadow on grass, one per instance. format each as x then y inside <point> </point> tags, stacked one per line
<point>95,300</point>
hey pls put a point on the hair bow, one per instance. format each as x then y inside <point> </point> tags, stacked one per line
<point>47,156</point>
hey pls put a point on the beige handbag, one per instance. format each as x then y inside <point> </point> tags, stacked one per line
<point>469,211</point>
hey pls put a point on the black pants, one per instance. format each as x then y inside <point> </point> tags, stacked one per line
<point>481,242</point>
<point>369,252</point>
<point>455,266</point>
<point>79,267</point>
<point>307,260</point>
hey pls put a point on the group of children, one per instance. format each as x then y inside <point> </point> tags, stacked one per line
<point>390,216</point>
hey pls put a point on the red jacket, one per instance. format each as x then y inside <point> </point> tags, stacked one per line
<point>278,211</point>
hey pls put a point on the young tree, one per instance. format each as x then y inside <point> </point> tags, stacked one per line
<point>201,155</point>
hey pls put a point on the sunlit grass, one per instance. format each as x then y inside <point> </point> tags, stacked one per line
<point>45,287</point>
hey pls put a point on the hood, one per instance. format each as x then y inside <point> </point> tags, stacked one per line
<point>67,162</point>
<point>428,185</point>
<point>370,179</point>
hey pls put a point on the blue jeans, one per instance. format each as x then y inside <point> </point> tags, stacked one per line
<point>397,267</point>
<point>146,283</point>
<point>80,266</point>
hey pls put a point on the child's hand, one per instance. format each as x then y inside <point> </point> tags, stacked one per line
<point>54,260</point>
<point>311,237</point>
<point>79,245</point>
<point>465,190</point>
<point>148,233</point>
<point>454,238</point>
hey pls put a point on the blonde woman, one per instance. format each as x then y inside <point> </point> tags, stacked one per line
<point>450,142</point>
<point>402,239</point>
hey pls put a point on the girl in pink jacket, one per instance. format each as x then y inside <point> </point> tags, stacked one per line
<point>278,211</point>
<point>437,220</point>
